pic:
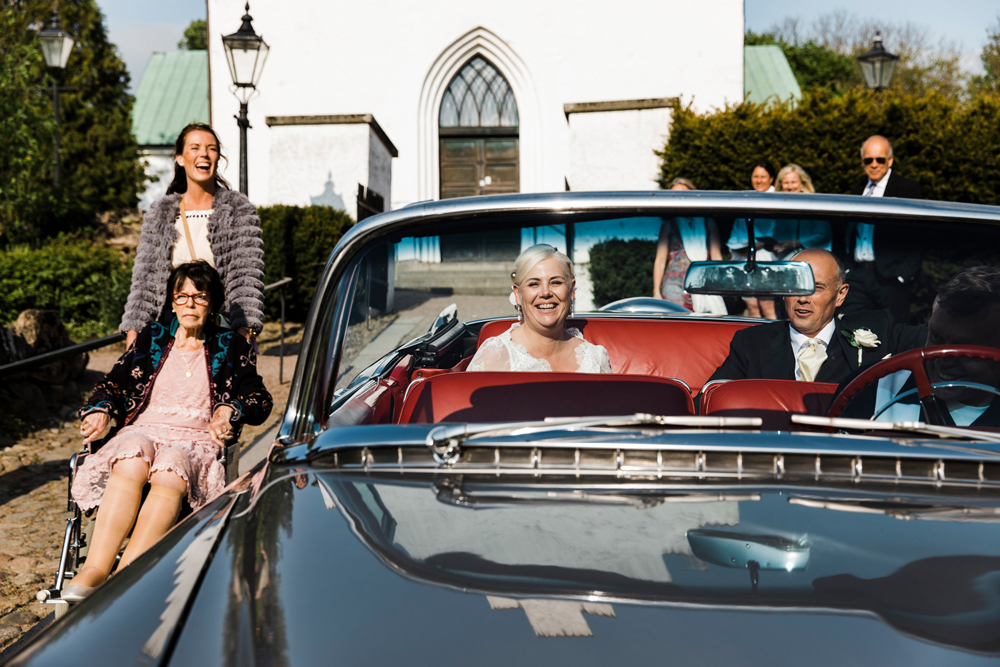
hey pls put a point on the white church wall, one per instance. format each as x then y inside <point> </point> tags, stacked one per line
<point>376,58</point>
<point>159,166</point>
<point>613,150</point>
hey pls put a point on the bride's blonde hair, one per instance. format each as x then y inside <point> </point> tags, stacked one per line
<point>527,260</point>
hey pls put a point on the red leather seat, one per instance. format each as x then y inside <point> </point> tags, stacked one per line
<point>771,400</point>
<point>489,397</point>
<point>689,349</point>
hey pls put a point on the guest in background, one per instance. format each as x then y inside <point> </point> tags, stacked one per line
<point>882,264</point>
<point>762,180</point>
<point>795,235</point>
<point>682,241</point>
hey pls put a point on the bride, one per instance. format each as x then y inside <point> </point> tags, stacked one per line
<point>543,292</point>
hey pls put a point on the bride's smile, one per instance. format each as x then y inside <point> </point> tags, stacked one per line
<point>546,294</point>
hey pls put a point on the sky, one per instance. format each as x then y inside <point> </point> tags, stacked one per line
<point>142,27</point>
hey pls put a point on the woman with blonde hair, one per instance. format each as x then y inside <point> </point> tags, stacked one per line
<point>801,234</point>
<point>543,287</point>
<point>682,241</point>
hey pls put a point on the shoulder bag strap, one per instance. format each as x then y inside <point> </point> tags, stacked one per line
<point>187,231</point>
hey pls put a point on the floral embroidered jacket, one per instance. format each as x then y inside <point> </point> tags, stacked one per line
<point>232,366</point>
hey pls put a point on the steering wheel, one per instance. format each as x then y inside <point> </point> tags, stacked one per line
<point>912,361</point>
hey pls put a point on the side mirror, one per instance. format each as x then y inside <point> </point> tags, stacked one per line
<point>765,279</point>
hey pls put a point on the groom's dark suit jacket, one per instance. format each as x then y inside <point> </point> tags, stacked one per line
<point>765,351</point>
<point>896,253</point>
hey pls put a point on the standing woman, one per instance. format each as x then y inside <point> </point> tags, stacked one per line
<point>762,180</point>
<point>806,234</point>
<point>200,218</point>
<point>682,241</point>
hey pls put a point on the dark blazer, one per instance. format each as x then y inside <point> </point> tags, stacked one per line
<point>896,256</point>
<point>765,351</point>
<point>232,366</point>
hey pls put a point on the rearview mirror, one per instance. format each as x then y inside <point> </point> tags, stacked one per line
<point>765,279</point>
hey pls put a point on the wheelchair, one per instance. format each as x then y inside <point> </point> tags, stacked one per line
<point>75,537</point>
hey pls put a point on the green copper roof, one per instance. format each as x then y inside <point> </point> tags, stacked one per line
<point>767,76</point>
<point>172,93</point>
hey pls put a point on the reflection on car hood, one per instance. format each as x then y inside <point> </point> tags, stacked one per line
<point>365,567</point>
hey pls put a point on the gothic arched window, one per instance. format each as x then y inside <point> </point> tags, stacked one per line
<point>478,96</point>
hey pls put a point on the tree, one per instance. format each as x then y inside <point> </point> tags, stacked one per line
<point>813,64</point>
<point>922,66</point>
<point>26,197</point>
<point>195,37</point>
<point>100,169</point>
<point>990,57</point>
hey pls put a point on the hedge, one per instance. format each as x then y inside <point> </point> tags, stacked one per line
<point>86,282</point>
<point>297,243</point>
<point>952,148</point>
<point>621,269</point>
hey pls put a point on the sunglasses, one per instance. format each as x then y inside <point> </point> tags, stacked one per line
<point>868,160</point>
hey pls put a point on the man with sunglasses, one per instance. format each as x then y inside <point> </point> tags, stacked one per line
<point>882,262</point>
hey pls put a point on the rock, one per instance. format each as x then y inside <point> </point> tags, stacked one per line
<point>21,564</point>
<point>8,633</point>
<point>20,618</point>
<point>27,578</point>
<point>43,331</point>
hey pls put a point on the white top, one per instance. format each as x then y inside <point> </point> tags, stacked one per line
<point>864,248</point>
<point>799,341</point>
<point>500,353</point>
<point>198,224</point>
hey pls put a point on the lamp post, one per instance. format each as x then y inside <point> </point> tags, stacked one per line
<point>56,47</point>
<point>246,52</point>
<point>877,65</point>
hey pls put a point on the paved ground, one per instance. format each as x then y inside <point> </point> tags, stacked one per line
<point>33,472</point>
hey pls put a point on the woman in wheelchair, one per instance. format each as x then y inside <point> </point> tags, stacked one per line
<point>177,396</point>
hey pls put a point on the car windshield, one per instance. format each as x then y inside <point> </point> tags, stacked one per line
<point>420,301</point>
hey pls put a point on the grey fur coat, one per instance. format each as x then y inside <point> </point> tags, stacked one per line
<point>238,249</point>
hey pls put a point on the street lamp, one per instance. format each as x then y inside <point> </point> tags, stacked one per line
<point>56,47</point>
<point>877,65</point>
<point>246,52</point>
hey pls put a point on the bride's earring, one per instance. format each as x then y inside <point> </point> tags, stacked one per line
<point>520,314</point>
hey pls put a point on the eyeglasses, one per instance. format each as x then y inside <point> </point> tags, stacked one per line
<point>868,160</point>
<point>201,298</point>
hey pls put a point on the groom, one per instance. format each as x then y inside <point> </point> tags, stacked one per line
<point>812,345</point>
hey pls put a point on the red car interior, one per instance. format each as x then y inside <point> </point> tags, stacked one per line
<point>687,349</point>
<point>489,397</point>
<point>771,400</point>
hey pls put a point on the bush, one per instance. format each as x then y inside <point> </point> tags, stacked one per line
<point>621,269</point>
<point>297,243</point>
<point>951,148</point>
<point>86,282</point>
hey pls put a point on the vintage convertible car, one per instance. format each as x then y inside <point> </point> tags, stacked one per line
<point>413,512</point>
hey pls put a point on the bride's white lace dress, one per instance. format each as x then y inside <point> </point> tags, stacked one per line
<point>500,353</point>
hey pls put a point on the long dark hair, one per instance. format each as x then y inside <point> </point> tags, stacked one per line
<point>179,184</point>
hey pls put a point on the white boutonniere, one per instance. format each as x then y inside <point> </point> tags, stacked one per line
<point>862,338</point>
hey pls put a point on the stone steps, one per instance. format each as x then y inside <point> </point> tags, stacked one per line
<point>491,278</point>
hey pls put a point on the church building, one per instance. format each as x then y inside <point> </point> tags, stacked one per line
<point>375,105</point>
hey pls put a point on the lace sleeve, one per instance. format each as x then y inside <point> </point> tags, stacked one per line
<point>605,360</point>
<point>492,356</point>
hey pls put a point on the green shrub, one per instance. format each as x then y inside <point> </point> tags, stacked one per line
<point>951,148</point>
<point>86,282</point>
<point>621,269</point>
<point>297,242</point>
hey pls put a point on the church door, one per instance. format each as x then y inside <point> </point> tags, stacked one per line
<point>478,128</point>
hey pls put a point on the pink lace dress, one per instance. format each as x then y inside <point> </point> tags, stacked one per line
<point>170,434</point>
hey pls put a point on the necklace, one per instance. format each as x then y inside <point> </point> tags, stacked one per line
<point>189,372</point>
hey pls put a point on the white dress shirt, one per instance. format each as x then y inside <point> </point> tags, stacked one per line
<point>864,248</point>
<point>799,341</point>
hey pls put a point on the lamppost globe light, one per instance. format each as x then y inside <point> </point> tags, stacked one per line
<point>56,44</point>
<point>877,65</point>
<point>246,53</point>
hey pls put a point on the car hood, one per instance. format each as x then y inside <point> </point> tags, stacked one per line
<point>325,566</point>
